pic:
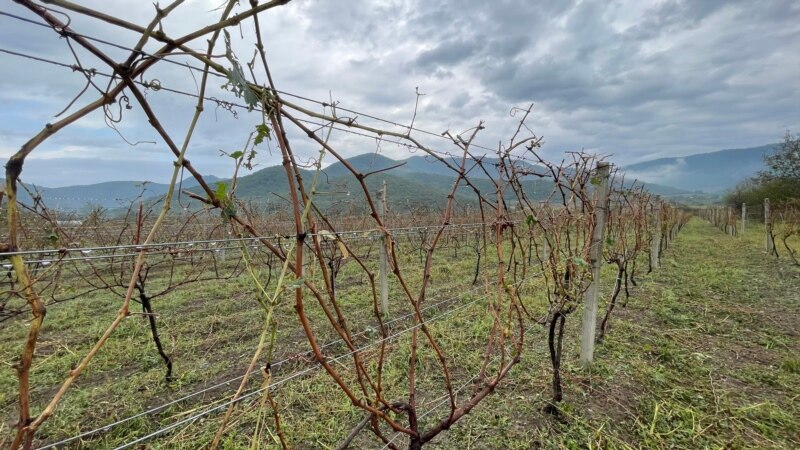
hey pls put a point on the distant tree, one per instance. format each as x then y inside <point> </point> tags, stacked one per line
<point>784,163</point>
<point>781,180</point>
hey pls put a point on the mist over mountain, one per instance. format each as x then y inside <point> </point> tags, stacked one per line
<point>713,172</point>
<point>419,181</point>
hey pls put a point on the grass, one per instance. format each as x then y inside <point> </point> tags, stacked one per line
<point>703,356</point>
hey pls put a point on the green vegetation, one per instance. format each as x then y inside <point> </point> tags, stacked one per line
<point>416,184</point>
<point>703,356</point>
<point>781,180</point>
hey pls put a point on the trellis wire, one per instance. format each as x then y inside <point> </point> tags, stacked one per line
<point>199,70</point>
<point>174,246</point>
<point>443,400</point>
<point>295,375</point>
<point>156,409</point>
<point>249,108</point>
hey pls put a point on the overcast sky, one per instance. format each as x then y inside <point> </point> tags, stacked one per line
<point>635,79</point>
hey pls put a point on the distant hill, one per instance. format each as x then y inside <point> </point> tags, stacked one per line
<point>112,194</point>
<point>658,189</point>
<point>421,181</point>
<point>708,172</point>
<point>416,182</point>
<point>417,165</point>
<point>337,188</point>
<point>412,183</point>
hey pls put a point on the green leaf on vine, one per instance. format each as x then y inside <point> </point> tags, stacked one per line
<point>237,82</point>
<point>221,191</point>
<point>580,262</point>
<point>531,220</point>
<point>228,211</point>
<point>262,131</point>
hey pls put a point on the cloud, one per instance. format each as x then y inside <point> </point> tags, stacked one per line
<point>662,173</point>
<point>446,54</point>
<point>638,80</point>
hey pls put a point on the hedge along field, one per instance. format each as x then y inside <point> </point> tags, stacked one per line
<point>319,336</point>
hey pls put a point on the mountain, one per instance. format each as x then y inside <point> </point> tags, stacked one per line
<point>414,183</point>
<point>337,188</point>
<point>658,189</point>
<point>708,172</point>
<point>422,181</point>
<point>419,181</point>
<point>365,163</point>
<point>417,165</point>
<point>112,194</point>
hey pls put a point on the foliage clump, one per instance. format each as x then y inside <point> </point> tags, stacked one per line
<point>781,180</point>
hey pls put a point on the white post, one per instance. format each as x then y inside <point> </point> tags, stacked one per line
<point>596,255</point>
<point>744,217</point>
<point>768,227</point>
<point>655,245</point>
<point>383,277</point>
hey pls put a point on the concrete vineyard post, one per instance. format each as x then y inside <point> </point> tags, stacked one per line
<point>744,217</point>
<point>662,230</point>
<point>655,245</point>
<point>768,227</point>
<point>596,255</point>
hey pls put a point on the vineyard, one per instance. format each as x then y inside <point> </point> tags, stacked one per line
<point>536,304</point>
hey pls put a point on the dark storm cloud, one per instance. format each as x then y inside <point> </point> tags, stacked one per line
<point>636,79</point>
<point>699,68</point>
<point>446,53</point>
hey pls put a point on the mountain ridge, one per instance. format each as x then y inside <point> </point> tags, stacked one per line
<point>712,172</point>
<point>420,180</point>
